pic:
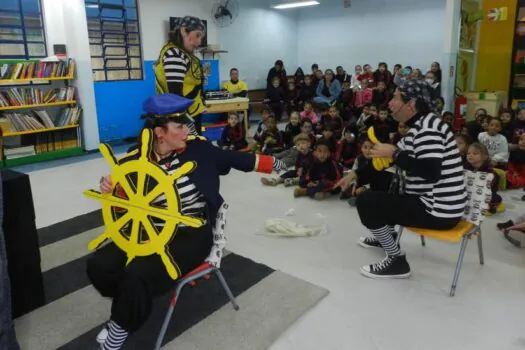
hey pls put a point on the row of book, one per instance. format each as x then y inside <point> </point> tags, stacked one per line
<point>31,96</point>
<point>37,120</point>
<point>37,70</point>
<point>40,143</point>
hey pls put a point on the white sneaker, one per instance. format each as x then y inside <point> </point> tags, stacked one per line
<point>102,335</point>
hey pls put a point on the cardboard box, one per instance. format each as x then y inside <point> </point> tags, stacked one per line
<point>491,101</point>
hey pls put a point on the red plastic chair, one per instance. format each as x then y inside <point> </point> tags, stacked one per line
<point>203,271</point>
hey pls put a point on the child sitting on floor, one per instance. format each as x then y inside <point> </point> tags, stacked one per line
<point>463,141</point>
<point>368,178</point>
<point>293,128</point>
<point>516,165</point>
<point>345,102</point>
<point>261,127</point>
<point>292,99</point>
<point>335,121</point>
<point>307,92</point>
<point>329,138</point>
<point>233,134</point>
<point>271,140</point>
<point>495,143</point>
<point>478,159</point>
<point>506,117</point>
<point>402,130</point>
<point>348,150</point>
<point>384,126</point>
<point>322,176</point>
<point>275,98</point>
<point>363,120</point>
<point>448,118</point>
<point>303,162</point>
<point>309,113</point>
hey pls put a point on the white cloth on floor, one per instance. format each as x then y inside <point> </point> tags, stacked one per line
<point>285,228</point>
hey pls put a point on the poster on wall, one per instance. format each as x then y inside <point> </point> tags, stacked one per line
<point>210,70</point>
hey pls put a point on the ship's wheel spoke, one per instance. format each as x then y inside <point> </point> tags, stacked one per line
<point>153,194</point>
<point>149,228</point>
<point>120,222</point>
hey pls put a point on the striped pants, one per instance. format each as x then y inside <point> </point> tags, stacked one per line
<point>381,211</point>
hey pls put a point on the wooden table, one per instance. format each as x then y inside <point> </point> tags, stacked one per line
<point>237,104</point>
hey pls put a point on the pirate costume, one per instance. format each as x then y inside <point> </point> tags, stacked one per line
<point>133,286</point>
<point>180,72</point>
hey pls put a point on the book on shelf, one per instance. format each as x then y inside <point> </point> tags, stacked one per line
<point>19,151</point>
<point>31,96</point>
<point>36,70</point>
<point>39,119</point>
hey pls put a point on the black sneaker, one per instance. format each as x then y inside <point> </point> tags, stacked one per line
<point>372,242</point>
<point>389,267</point>
<point>504,225</point>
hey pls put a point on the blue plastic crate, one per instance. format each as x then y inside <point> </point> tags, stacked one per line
<point>213,134</point>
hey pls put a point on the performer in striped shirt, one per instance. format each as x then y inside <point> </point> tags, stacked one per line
<point>179,71</point>
<point>434,195</point>
<point>133,286</point>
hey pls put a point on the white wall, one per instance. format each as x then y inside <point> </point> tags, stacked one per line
<point>66,23</point>
<point>410,32</point>
<point>257,38</point>
<point>154,22</point>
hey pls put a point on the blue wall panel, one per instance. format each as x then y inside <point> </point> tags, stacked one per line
<point>119,105</point>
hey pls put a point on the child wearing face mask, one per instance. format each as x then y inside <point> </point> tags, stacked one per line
<point>306,92</point>
<point>478,159</point>
<point>275,98</point>
<point>496,144</point>
<point>430,78</point>
<point>304,159</point>
<point>322,176</point>
<point>355,83</point>
<point>232,137</point>
<point>516,165</point>
<point>380,95</point>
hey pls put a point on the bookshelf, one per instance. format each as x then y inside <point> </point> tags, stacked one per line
<point>39,112</point>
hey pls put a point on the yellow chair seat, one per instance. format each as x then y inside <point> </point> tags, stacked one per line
<point>454,235</point>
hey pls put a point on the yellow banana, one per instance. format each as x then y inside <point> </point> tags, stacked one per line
<point>372,136</point>
<point>378,165</point>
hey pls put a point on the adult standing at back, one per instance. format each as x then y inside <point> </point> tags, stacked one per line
<point>328,89</point>
<point>434,195</point>
<point>179,71</point>
<point>277,71</point>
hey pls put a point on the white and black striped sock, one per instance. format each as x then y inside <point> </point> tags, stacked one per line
<point>384,236</point>
<point>116,337</point>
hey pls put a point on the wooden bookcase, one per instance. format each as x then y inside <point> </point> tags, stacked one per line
<point>60,136</point>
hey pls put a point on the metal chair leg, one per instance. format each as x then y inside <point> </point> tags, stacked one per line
<point>399,233</point>
<point>423,243</point>
<point>480,249</point>
<point>226,289</point>
<point>164,327</point>
<point>458,265</point>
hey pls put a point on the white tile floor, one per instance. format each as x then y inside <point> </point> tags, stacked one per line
<point>359,313</point>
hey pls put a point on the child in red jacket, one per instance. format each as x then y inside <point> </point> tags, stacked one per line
<point>322,176</point>
<point>516,165</point>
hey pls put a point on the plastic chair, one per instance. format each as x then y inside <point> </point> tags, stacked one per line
<point>479,194</point>
<point>203,271</point>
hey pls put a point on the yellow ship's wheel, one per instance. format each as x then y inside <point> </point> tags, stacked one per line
<point>128,212</point>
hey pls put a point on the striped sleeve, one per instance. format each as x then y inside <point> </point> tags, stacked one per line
<point>175,65</point>
<point>429,142</point>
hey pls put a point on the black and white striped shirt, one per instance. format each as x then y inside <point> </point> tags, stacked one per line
<point>430,139</point>
<point>192,202</point>
<point>175,64</point>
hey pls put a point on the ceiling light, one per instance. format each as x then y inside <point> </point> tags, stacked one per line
<point>92,6</point>
<point>294,4</point>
